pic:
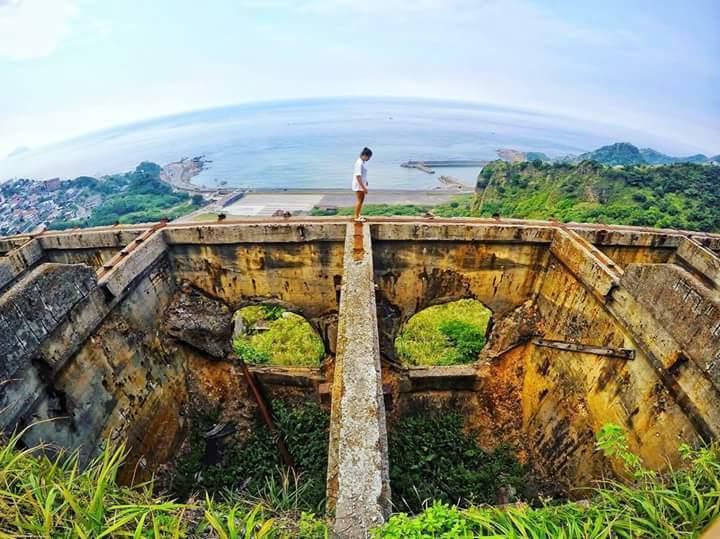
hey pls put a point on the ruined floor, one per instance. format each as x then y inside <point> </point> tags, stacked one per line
<point>115,333</point>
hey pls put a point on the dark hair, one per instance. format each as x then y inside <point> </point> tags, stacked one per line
<point>366,151</point>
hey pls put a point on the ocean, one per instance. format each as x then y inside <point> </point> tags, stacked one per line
<point>313,143</point>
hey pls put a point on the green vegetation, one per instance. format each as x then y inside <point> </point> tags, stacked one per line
<point>277,337</point>
<point>673,196</point>
<point>135,197</point>
<point>52,498</point>
<point>254,467</point>
<point>679,504</point>
<point>432,458</point>
<point>448,334</point>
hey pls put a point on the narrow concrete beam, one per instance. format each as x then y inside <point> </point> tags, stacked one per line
<point>587,263</point>
<point>358,479</point>
<point>119,278</point>
<point>700,259</point>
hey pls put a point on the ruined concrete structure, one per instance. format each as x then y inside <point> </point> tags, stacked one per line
<point>112,333</point>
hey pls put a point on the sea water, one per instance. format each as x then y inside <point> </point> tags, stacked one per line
<point>313,143</point>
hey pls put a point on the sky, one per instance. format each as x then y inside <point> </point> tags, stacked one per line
<point>68,67</point>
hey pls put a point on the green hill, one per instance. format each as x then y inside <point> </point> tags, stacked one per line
<point>624,153</point>
<point>680,195</point>
<point>620,153</point>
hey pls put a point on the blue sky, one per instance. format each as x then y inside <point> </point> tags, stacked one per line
<point>72,66</point>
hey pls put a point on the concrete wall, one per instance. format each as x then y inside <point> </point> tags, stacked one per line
<point>96,358</point>
<point>119,381</point>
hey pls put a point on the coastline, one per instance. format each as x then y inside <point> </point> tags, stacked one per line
<point>179,174</point>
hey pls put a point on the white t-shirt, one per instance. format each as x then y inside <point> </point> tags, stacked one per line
<point>360,169</point>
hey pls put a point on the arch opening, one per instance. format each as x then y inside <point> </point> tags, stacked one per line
<point>452,333</point>
<point>269,334</point>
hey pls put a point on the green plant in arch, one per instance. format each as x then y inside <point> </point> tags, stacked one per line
<point>448,334</point>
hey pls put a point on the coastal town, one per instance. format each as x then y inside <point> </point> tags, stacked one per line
<point>27,205</point>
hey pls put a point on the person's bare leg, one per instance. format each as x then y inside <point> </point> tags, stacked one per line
<point>359,199</point>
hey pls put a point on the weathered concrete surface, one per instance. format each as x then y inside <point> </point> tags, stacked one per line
<point>684,306</point>
<point>29,312</point>
<point>702,262</point>
<point>201,322</point>
<point>304,275</point>
<point>117,382</point>
<point>414,274</point>
<point>120,277</point>
<point>18,261</point>
<point>568,396</point>
<point>358,481</point>
<point>93,247</point>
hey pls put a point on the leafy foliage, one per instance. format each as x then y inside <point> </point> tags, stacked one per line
<point>679,504</point>
<point>447,334</point>
<point>286,338</point>
<point>432,458</point>
<point>254,467</point>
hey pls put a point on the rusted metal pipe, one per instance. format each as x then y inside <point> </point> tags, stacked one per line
<point>265,413</point>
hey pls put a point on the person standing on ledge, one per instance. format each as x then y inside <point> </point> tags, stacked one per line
<point>360,183</point>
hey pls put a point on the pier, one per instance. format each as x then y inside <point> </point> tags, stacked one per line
<point>428,166</point>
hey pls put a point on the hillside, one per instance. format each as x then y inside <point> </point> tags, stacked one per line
<point>673,196</point>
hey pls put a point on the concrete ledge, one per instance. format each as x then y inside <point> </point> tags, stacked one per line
<point>119,278</point>
<point>287,232</point>
<point>288,376</point>
<point>483,232</point>
<point>358,477</point>
<point>455,378</point>
<point>90,238</point>
<point>12,242</point>
<point>587,263</point>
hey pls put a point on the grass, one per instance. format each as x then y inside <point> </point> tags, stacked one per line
<point>46,497</point>
<point>459,206</point>
<point>448,334</point>
<point>205,217</point>
<point>681,503</point>
<point>288,339</point>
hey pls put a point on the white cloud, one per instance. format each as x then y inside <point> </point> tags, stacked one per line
<point>34,28</point>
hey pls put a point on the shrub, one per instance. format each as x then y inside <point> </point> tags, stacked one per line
<point>422,341</point>
<point>248,353</point>
<point>288,339</point>
<point>254,468</point>
<point>467,339</point>
<point>432,458</point>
